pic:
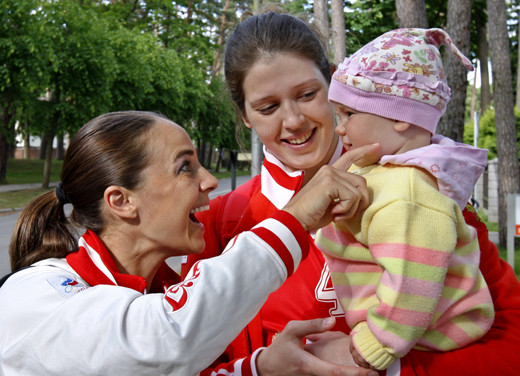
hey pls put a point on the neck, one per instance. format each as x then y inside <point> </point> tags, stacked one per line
<point>131,257</point>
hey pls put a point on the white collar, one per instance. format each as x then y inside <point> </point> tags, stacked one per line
<point>279,184</point>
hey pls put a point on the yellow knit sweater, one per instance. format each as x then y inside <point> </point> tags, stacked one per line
<point>407,271</point>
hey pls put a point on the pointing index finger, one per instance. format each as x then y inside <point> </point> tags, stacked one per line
<point>350,157</point>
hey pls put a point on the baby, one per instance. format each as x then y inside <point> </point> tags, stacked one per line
<point>407,271</point>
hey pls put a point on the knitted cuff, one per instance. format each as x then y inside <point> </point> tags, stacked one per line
<point>371,349</point>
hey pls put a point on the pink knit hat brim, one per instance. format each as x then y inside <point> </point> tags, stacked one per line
<point>388,106</point>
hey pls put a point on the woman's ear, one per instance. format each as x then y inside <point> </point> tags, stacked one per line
<point>246,122</point>
<point>401,126</point>
<point>119,202</point>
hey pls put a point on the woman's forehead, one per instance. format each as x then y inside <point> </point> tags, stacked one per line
<point>169,136</point>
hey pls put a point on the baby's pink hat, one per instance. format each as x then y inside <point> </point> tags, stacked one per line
<point>399,76</point>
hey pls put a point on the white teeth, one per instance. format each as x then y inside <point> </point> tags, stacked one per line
<point>300,140</point>
<point>199,209</point>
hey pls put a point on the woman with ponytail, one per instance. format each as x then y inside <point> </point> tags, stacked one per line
<point>107,304</point>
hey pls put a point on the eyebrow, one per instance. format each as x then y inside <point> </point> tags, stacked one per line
<point>182,153</point>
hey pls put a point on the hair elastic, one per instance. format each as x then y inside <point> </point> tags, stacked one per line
<point>61,195</point>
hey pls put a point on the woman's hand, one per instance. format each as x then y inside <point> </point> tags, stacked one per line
<point>333,193</point>
<point>287,355</point>
<point>332,347</point>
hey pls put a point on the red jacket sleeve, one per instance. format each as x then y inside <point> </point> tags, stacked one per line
<point>496,353</point>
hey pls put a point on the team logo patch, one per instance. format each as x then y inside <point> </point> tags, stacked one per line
<point>177,296</point>
<point>67,286</point>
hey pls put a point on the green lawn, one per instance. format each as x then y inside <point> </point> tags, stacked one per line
<point>22,171</point>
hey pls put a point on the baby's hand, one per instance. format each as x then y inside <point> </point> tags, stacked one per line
<point>360,361</point>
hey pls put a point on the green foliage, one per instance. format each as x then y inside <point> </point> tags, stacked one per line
<point>217,118</point>
<point>366,20</point>
<point>94,63</point>
<point>297,6</point>
<point>487,132</point>
<point>23,55</point>
<point>82,65</point>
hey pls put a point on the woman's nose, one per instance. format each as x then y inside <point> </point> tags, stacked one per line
<point>208,182</point>
<point>292,115</point>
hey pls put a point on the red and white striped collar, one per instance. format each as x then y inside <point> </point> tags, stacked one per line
<point>95,265</point>
<point>279,184</point>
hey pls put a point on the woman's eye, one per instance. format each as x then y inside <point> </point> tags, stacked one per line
<point>308,95</point>
<point>185,167</point>
<point>268,109</point>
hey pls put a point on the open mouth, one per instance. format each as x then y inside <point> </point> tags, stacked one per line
<point>193,218</point>
<point>301,140</point>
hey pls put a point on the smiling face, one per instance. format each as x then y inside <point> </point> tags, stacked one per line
<point>286,104</point>
<point>174,187</point>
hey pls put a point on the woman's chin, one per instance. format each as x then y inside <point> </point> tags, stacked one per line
<point>198,248</point>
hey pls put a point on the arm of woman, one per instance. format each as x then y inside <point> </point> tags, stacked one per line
<point>64,325</point>
<point>288,355</point>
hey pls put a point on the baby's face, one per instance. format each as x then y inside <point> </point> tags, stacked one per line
<point>356,129</point>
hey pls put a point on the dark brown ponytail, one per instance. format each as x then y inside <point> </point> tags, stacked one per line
<point>42,231</point>
<point>109,150</point>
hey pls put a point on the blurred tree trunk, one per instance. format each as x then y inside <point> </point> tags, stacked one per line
<point>411,13</point>
<point>219,159</point>
<point>201,151</point>
<point>11,145</point>
<point>339,48</point>
<point>483,56</point>
<point>474,96</point>
<point>518,70</point>
<point>209,156</point>
<point>43,146</point>
<point>458,26</point>
<point>26,143</point>
<point>223,26</point>
<point>321,16</point>
<point>49,136</point>
<point>257,153</point>
<point>507,147</point>
<point>6,116</point>
<point>60,148</point>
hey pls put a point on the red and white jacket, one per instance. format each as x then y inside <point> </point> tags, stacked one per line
<point>309,294</point>
<point>80,316</point>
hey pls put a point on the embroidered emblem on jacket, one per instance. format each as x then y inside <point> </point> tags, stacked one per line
<point>67,286</point>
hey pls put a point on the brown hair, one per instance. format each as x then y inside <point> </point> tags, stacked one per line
<point>108,150</point>
<point>266,34</point>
